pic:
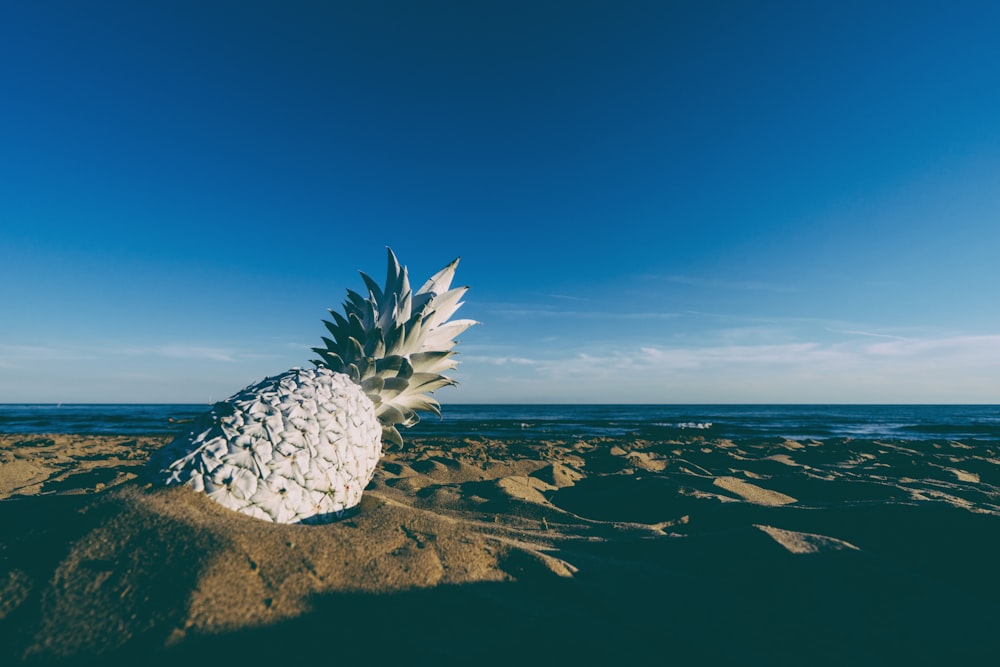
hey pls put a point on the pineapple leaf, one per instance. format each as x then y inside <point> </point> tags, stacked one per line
<point>331,360</point>
<point>419,402</point>
<point>342,325</point>
<point>389,414</point>
<point>372,385</point>
<point>372,286</point>
<point>390,363</point>
<point>446,304</point>
<point>440,281</point>
<point>357,302</point>
<point>443,337</point>
<point>427,382</point>
<point>393,274</point>
<point>352,372</point>
<point>373,343</point>
<point>354,350</point>
<point>432,362</point>
<point>357,327</point>
<point>393,340</point>
<point>390,436</point>
<point>366,367</point>
<point>394,386</point>
<point>409,418</point>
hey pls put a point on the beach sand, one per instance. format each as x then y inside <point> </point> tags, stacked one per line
<point>480,552</point>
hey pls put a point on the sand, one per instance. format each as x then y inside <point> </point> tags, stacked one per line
<point>515,552</point>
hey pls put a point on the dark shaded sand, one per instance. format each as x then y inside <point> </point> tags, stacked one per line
<point>508,552</point>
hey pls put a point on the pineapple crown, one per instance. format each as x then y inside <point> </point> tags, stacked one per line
<point>396,343</point>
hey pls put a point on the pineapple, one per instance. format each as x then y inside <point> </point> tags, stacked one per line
<point>302,446</point>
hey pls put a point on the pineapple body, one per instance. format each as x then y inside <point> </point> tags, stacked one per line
<point>299,447</point>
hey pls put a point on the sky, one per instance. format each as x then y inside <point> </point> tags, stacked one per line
<point>654,202</point>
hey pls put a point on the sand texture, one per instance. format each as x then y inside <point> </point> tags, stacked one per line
<point>515,552</point>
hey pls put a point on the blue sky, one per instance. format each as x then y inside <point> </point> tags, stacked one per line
<point>663,202</point>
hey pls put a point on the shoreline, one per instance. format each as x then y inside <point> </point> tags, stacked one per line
<point>710,551</point>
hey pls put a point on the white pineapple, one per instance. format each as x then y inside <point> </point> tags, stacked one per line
<point>302,446</point>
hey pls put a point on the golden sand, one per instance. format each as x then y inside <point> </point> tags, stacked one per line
<point>511,552</point>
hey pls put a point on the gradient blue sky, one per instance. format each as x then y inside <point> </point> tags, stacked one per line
<point>653,201</point>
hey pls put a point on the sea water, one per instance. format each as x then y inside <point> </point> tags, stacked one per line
<point>561,422</point>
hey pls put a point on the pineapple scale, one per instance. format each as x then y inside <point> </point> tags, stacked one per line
<point>299,447</point>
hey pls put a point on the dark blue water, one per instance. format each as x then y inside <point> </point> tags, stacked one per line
<point>547,422</point>
<point>900,422</point>
<point>98,418</point>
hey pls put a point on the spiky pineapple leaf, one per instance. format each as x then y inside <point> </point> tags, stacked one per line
<point>393,386</point>
<point>366,367</point>
<point>374,344</point>
<point>353,372</point>
<point>440,281</point>
<point>410,418</point>
<point>373,385</point>
<point>354,349</point>
<point>427,382</point>
<point>373,288</point>
<point>389,363</point>
<point>443,337</point>
<point>445,305</point>
<point>356,300</point>
<point>392,339</point>
<point>390,436</point>
<point>389,414</point>
<point>330,359</point>
<point>413,402</point>
<point>357,327</point>
<point>432,362</point>
<point>332,328</point>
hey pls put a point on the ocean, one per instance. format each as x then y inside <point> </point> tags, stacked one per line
<point>560,422</point>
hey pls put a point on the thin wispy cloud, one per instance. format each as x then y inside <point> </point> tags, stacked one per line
<point>853,368</point>
<point>195,352</point>
<point>549,312</point>
<point>724,284</point>
<point>961,351</point>
<point>198,352</point>
<point>871,334</point>
<point>980,349</point>
<point>13,354</point>
<point>568,297</point>
<point>501,360</point>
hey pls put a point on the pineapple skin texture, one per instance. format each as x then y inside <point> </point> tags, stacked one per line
<point>299,447</point>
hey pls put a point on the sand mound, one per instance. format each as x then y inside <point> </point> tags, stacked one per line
<point>752,492</point>
<point>805,543</point>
